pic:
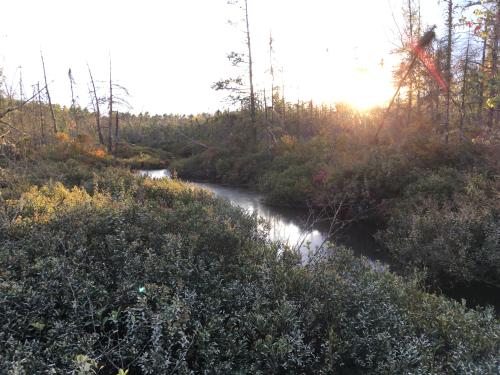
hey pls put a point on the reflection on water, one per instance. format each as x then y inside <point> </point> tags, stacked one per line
<point>289,225</point>
<point>286,225</point>
<point>156,173</point>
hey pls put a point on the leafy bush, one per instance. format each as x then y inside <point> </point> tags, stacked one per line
<point>448,224</point>
<point>290,187</point>
<point>160,277</point>
<point>196,167</point>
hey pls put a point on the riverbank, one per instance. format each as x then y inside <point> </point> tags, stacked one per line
<point>306,230</point>
<point>436,205</point>
<point>299,228</point>
<point>122,272</point>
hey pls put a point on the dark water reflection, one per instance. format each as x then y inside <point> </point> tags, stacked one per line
<point>298,227</point>
<point>292,226</point>
<point>295,227</point>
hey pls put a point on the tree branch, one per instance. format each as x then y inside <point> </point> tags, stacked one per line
<point>19,106</point>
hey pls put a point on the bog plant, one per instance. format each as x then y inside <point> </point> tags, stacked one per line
<point>449,225</point>
<point>128,275</point>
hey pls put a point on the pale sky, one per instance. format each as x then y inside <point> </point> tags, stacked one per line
<point>169,53</point>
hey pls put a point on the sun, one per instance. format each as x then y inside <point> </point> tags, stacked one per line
<point>365,88</point>
<point>362,87</point>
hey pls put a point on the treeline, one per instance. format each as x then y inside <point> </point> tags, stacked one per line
<point>31,120</point>
<point>452,82</point>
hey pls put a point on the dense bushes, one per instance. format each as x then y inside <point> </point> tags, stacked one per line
<point>438,201</point>
<point>218,165</point>
<point>448,224</point>
<point>160,277</point>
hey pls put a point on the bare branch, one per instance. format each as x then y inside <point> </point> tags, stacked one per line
<point>19,106</point>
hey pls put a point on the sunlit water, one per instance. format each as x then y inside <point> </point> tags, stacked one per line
<point>295,227</point>
<point>292,226</point>
<point>156,173</point>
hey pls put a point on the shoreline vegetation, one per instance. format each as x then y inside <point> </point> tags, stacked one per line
<point>105,271</point>
<point>436,204</point>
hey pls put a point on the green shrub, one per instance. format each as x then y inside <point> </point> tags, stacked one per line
<point>159,277</point>
<point>448,223</point>
<point>291,187</point>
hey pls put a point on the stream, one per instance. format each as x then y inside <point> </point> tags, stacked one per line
<point>294,227</point>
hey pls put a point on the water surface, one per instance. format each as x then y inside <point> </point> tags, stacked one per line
<point>298,228</point>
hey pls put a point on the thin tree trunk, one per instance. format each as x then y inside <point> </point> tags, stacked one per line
<point>110,127</point>
<point>250,76</point>
<point>284,103</point>
<point>97,110</point>
<point>481,79</point>
<point>410,85</point>
<point>449,24</point>
<point>73,102</point>
<point>272,74</point>
<point>493,110</point>
<point>40,107</point>
<point>419,78</point>
<point>21,96</point>
<point>117,131</point>
<point>48,96</point>
<point>21,93</point>
<point>265,104</point>
<point>410,104</point>
<point>464,87</point>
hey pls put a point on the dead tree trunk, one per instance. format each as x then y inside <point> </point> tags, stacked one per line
<point>110,123</point>
<point>48,96</point>
<point>480,103</point>
<point>117,132</point>
<point>493,110</point>
<point>250,76</point>
<point>464,89</point>
<point>410,83</point>
<point>265,104</point>
<point>73,101</point>
<point>21,95</point>
<point>95,100</point>
<point>271,71</point>
<point>449,24</point>
<point>40,109</point>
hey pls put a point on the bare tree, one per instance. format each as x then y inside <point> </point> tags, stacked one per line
<point>464,87</point>
<point>250,70</point>
<point>110,123</point>
<point>40,113</point>
<point>73,101</point>
<point>95,102</point>
<point>21,94</point>
<point>493,108</point>
<point>418,54</point>
<point>481,81</point>
<point>17,106</point>
<point>271,72</point>
<point>410,83</point>
<point>449,46</point>
<point>117,132</point>
<point>48,95</point>
<point>235,85</point>
<point>21,85</point>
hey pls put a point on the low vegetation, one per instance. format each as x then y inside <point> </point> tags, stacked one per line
<point>105,272</point>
